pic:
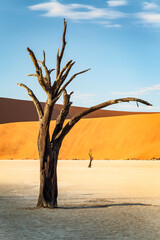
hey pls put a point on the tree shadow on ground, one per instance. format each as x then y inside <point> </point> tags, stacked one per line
<point>105,205</point>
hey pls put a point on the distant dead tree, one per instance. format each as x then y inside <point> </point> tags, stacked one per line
<point>90,158</point>
<point>49,146</point>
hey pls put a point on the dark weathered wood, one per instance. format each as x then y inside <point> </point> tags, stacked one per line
<point>90,158</point>
<point>62,115</point>
<point>59,57</point>
<point>48,148</point>
<point>48,191</point>
<point>31,75</point>
<point>39,73</point>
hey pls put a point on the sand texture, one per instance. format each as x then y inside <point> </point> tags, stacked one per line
<point>120,137</point>
<point>112,200</point>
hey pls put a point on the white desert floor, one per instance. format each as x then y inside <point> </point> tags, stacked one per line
<point>112,200</point>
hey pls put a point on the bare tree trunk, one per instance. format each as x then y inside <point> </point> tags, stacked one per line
<point>91,158</point>
<point>48,192</point>
<point>48,155</point>
<point>90,163</point>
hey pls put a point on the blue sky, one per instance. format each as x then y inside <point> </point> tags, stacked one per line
<point>118,39</point>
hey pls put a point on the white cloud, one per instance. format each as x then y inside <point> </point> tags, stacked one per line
<point>150,6</point>
<point>149,18</point>
<point>55,8</point>
<point>140,91</point>
<point>116,3</point>
<point>75,11</point>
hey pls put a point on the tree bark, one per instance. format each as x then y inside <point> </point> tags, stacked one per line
<point>48,191</point>
<point>48,155</point>
<point>91,159</point>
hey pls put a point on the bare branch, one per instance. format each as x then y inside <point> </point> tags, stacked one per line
<point>66,73</point>
<point>43,83</point>
<point>34,99</point>
<point>44,57</point>
<point>61,77</point>
<point>57,97</point>
<point>39,74</point>
<point>71,79</point>
<point>33,58</point>
<point>63,69</point>
<point>58,64</point>
<point>77,117</point>
<point>31,75</point>
<point>71,93</point>
<point>43,63</point>
<point>62,115</point>
<point>51,70</point>
<point>47,77</point>
<point>63,40</point>
<point>59,57</point>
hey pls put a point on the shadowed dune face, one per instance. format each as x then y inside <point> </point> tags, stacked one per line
<point>121,137</point>
<point>13,110</point>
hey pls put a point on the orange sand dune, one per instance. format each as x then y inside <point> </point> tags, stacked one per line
<point>121,137</point>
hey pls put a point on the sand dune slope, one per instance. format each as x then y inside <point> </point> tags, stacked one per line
<point>121,137</point>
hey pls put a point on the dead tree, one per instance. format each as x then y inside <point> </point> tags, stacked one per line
<point>49,146</point>
<point>90,159</point>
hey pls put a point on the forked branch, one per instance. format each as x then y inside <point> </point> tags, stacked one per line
<point>34,99</point>
<point>62,77</point>
<point>66,74</point>
<point>63,69</point>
